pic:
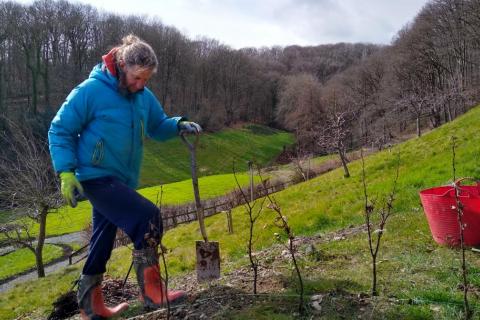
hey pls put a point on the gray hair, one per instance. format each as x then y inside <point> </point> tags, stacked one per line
<point>136,52</point>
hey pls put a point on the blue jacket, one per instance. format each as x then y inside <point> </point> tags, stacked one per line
<point>99,131</point>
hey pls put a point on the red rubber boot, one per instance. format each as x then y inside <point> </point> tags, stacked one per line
<point>90,299</point>
<point>152,287</point>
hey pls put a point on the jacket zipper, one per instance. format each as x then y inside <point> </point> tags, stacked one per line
<point>98,153</point>
<point>132,127</point>
<point>142,132</point>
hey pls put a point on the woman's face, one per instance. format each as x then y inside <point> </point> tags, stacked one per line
<point>134,78</point>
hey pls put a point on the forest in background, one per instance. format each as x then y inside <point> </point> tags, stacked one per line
<point>332,96</point>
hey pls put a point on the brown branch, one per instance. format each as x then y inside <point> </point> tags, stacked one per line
<point>163,249</point>
<point>461,225</point>
<point>282,223</point>
<point>384,213</point>
<point>252,219</point>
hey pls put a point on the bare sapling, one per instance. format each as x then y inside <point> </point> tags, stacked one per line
<point>376,218</point>
<point>163,250</point>
<point>253,215</point>
<point>459,207</point>
<point>281,222</point>
<point>301,165</point>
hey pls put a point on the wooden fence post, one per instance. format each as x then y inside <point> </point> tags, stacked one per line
<point>229,221</point>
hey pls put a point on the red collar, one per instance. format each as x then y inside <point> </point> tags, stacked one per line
<point>109,61</point>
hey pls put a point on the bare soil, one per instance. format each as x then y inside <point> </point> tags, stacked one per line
<point>233,291</point>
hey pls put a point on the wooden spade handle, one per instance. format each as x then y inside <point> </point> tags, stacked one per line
<point>193,163</point>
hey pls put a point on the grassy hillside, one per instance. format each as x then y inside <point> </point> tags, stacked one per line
<point>170,161</point>
<point>68,220</point>
<point>413,266</point>
<point>418,279</point>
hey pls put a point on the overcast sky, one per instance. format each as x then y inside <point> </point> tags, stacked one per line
<point>257,23</point>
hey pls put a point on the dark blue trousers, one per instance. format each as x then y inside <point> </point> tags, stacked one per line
<point>115,205</point>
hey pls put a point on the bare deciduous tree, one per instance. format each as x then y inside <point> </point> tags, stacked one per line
<point>333,134</point>
<point>28,189</point>
<point>300,107</point>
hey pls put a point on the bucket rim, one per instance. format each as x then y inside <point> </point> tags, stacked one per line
<point>468,191</point>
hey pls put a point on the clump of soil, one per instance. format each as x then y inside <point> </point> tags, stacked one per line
<point>65,306</point>
<point>114,293</point>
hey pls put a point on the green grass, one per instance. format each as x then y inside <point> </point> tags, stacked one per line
<point>33,299</point>
<point>330,202</point>
<point>23,259</point>
<point>283,309</point>
<point>420,275</point>
<point>170,161</point>
<point>68,220</point>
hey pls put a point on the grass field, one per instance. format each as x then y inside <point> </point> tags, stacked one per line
<point>412,265</point>
<point>68,220</point>
<point>422,277</point>
<point>169,161</point>
<point>23,259</point>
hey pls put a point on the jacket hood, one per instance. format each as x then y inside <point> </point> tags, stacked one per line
<point>106,71</point>
<point>100,72</point>
<point>109,61</point>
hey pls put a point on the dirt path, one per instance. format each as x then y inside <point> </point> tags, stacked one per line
<point>69,238</point>
<point>63,240</point>
<point>33,275</point>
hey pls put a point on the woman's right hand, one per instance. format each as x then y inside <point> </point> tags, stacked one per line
<point>69,184</point>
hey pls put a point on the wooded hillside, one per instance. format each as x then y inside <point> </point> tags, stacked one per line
<point>428,75</point>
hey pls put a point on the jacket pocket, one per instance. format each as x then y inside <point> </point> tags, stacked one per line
<point>98,153</point>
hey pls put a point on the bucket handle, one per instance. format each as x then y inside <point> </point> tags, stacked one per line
<point>457,183</point>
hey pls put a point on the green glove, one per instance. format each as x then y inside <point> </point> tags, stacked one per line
<point>69,184</point>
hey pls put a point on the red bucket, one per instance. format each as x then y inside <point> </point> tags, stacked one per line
<point>441,211</point>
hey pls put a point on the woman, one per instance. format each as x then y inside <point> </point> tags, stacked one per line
<point>96,145</point>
